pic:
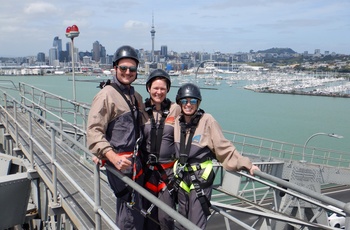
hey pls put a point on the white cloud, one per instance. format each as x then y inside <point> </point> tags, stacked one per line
<point>39,7</point>
<point>131,24</point>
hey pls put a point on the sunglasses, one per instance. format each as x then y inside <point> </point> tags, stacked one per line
<point>123,68</point>
<point>192,101</point>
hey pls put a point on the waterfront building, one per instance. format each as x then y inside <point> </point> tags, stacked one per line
<point>68,48</point>
<point>53,56</point>
<point>40,57</point>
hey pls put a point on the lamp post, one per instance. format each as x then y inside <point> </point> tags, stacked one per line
<point>200,66</point>
<point>72,32</point>
<point>318,134</point>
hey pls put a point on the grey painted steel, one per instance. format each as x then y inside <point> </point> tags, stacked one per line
<point>14,197</point>
<point>218,207</point>
<point>4,166</point>
<point>305,191</point>
<point>70,198</point>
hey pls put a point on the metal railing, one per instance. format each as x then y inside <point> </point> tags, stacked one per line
<point>68,113</point>
<point>66,120</point>
<point>56,132</point>
<point>288,151</point>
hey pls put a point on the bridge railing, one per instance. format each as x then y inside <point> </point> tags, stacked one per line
<point>274,149</point>
<point>252,190</point>
<point>73,114</point>
<point>276,202</point>
<point>22,133</point>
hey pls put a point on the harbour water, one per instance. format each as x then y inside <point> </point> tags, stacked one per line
<point>282,117</point>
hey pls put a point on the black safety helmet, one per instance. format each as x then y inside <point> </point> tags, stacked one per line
<point>188,90</point>
<point>158,73</point>
<point>125,52</point>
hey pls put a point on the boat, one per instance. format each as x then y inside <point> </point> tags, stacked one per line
<point>174,73</point>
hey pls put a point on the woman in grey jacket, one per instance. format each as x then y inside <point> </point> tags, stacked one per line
<point>198,140</point>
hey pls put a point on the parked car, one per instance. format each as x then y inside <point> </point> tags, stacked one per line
<point>336,220</point>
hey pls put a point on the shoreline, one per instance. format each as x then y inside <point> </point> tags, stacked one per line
<point>312,93</point>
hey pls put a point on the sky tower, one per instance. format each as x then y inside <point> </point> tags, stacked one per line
<point>153,34</point>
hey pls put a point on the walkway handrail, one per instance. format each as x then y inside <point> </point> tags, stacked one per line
<point>183,221</point>
<point>287,151</point>
<point>293,190</point>
<point>54,162</point>
<point>154,200</point>
<point>302,190</point>
<point>243,142</point>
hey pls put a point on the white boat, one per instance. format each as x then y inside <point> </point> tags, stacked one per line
<point>59,72</point>
<point>174,73</point>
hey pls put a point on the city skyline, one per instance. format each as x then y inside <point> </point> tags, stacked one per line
<point>199,26</point>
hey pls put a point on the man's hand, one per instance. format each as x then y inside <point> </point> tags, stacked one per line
<point>120,161</point>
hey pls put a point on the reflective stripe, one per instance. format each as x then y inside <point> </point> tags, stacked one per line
<point>207,165</point>
<point>185,187</point>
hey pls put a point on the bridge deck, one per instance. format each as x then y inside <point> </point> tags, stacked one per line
<point>82,174</point>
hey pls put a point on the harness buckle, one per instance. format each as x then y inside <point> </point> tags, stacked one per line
<point>130,205</point>
<point>180,168</point>
<point>152,159</point>
<point>137,145</point>
<point>132,201</point>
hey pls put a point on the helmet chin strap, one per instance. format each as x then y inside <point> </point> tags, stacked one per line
<point>192,119</point>
<point>117,80</point>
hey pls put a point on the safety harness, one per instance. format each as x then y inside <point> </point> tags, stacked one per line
<point>182,165</point>
<point>152,162</point>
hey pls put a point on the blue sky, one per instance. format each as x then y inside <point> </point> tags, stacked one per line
<point>229,26</point>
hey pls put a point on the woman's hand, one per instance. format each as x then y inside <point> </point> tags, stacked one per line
<point>252,169</point>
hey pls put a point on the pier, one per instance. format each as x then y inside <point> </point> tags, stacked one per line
<point>45,160</point>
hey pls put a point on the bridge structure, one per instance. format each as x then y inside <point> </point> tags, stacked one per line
<point>48,181</point>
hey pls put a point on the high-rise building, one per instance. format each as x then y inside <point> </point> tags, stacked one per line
<point>163,51</point>
<point>57,43</point>
<point>69,50</point>
<point>96,51</point>
<point>40,57</point>
<point>53,59</point>
<point>103,54</point>
<point>153,35</point>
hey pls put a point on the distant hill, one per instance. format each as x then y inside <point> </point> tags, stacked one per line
<point>278,51</point>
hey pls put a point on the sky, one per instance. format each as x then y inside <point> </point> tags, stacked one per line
<point>228,26</point>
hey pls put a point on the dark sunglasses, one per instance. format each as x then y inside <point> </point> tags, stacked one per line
<point>192,101</point>
<point>124,68</point>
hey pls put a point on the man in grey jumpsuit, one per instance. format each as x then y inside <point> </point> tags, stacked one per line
<point>113,130</point>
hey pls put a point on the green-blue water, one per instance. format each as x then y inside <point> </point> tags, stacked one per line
<point>287,118</point>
